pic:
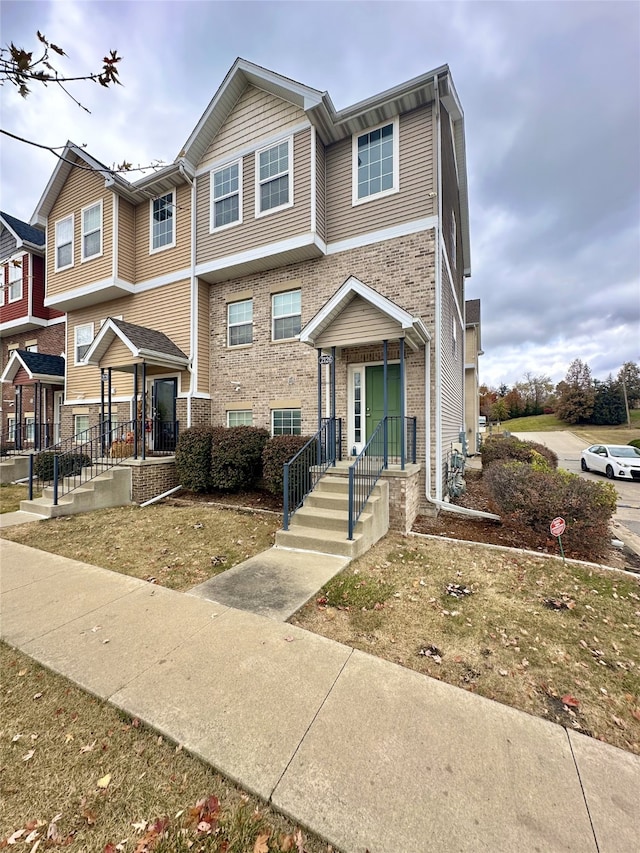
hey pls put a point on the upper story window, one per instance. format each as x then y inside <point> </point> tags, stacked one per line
<point>274,181</point>
<point>15,281</point>
<point>2,290</point>
<point>92,231</point>
<point>163,222</point>
<point>226,196</point>
<point>375,162</point>
<point>240,323</point>
<point>83,340</point>
<point>286,313</point>
<point>64,243</point>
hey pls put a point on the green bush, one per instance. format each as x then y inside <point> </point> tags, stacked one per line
<point>69,464</point>
<point>534,497</point>
<point>501,448</point>
<point>277,451</point>
<point>236,462</point>
<point>635,442</point>
<point>193,458</point>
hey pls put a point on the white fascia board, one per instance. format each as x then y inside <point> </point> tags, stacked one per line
<point>12,367</point>
<point>162,357</point>
<point>88,290</point>
<point>402,230</point>
<point>27,319</point>
<point>298,242</point>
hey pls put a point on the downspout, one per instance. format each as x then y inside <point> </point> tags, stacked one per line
<point>193,309</point>
<point>437,501</point>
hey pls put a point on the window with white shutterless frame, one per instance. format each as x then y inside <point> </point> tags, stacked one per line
<point>274,177</point>
<point>162,228</point>
<point>240,323</point>
<point>376,162</point>
<point>91,219</point>
<point>286,315</point>
<point>226,196</point>
<point>239,417</point>
<point>83,338</point>
<point>64,243</point>
<point>15,280</point>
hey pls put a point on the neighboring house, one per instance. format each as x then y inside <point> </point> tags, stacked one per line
<point>286,235</point>
<point>472,351</point>
<point>32,338</point>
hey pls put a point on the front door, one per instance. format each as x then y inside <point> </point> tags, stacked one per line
<point>164,394</point>
<point>367,404</point>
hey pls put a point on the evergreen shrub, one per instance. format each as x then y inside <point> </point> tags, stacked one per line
<point>69,464</point>
<point>277,451</point>
<point>502,448</point>
<point>236,461</point>
<point>193,458</point>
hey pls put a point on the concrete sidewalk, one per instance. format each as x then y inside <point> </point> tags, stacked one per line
<point>363,752</point>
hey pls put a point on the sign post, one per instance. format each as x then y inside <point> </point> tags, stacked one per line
<point>557,528</point>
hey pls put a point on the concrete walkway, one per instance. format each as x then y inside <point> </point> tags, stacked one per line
<point>363,752</point>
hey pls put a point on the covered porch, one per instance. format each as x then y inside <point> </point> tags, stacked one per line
<point>33,422</point>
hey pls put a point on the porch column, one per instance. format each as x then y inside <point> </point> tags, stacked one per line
<point>385,348</point>
<point>103,425</point>
<point>332,429</point>
<point>135,410</point>
<point>18,434</point>
<point>319,389</point>
<point>143,421</point>
<point>109,410</point>
<point>36,416</point>
<point>402,407</point>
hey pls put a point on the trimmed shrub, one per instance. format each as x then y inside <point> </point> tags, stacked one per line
<point>193,458</point>
<point>69,464</point>
<point>503,448</point>
<point>635,443</point>
<point>277,451</point>
<point>536,497</point>
<point>236,462</point>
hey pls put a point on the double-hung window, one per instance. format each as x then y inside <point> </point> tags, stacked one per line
<point>83,340</point>
<point>15,281</point>
<point>375,162</point>
<point>239,417</point>
<point>92,231</point>
<point>163,222</point>
<point>286,314</point>
<point>286,422</point>
<point>226,196</point>
<point>274,170</point>
<point>64,243</point>
<point>240,323</point>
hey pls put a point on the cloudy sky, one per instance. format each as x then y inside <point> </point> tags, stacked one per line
<point>551,94</point>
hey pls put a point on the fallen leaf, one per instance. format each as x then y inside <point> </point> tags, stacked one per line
<point>288,639</point>
<point>570,701</point>
<point>28,755</point>
<point>16,738</point>
<point>104,781</point>
<point>262,845</point>
<point>38,696</point>
<point>88,747</point>
<point>16,836</point>
<point>22,672</point>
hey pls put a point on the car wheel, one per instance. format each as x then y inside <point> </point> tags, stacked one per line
<point>583,465</point>
<point>609,472</point>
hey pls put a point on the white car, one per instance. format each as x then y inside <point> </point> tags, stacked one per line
<point>613,460</point>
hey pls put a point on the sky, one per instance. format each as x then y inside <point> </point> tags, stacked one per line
<point>551,97</point>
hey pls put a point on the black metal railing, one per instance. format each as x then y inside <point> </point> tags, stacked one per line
<point>392,442</point>
<point>302,472</point>
<point>25,437</point>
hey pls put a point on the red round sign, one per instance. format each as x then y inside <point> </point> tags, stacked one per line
<point>557,526</point>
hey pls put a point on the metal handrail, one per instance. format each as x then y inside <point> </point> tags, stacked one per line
<point>25,437</point>
<point>302,472</point>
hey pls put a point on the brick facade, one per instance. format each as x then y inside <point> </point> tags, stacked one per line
<point>151,477</point>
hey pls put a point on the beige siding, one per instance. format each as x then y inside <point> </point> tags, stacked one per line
<point>203,338</point>
<point>126,241</point>
<point>81,189</point>
<point>149,265</point>
<point>257,115</point>
<point>452,368</point>
<point>359,323</point>
<point>263,230</point>
<point>321,190</point>
<point>344,220</point>
<point>118,355</point>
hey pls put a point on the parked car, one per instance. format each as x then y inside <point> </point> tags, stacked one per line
<point>612,460</point>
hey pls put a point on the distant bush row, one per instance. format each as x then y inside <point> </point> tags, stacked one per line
<point>233,459</point>
<point>523,480</point>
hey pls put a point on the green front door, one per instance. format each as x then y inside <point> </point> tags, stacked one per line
<point>374,392</point>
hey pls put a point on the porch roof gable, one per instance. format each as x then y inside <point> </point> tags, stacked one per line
<point>150,345</point>
<point>39,367</point>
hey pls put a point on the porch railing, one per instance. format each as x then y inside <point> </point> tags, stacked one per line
<point>302,472</point>
<point>393,441</point>
<point>25,437</point>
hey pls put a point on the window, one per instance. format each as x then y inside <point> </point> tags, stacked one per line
<point>375,162</point>
<point>453,240</point>
<point>240,323</point>
<point>84,337</point>
<point>11,424</point>
<point>286,314</point>
<point>226,196</point>
<point>15,281</point>
<point>29,428</point>
<point>31,348</point>
<point>273,170</point>
<point>92,231</point>
<point>240,418</point>
<point>163,221</point>
<point>2,289</point>
<point>286,422</point>
<point>64,244</point>
<point>80,423</point>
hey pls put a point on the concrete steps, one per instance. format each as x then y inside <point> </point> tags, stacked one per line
<point>14,468</point>
<point>110,488</point>
<point>322,522</point>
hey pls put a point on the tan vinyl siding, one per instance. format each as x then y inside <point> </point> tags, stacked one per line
<point>126,241</point>
<point>81,189</point>
<point>257,115</point>
<point>452,368</point>
<point>150,265</point>
<point>118,355</point>
<point>263,230</point>
<point>203,342</point>
<point>359,323</point>
<point>321,190</point>
<point>417,180</point>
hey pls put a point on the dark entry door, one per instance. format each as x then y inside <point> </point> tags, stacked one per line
<point>165,392</point>
<point>374,392</point>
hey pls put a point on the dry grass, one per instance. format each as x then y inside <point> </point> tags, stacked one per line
<point>57,744</point>
<point>11,494</point>
<point>499,640</point>
<point>179,547</point>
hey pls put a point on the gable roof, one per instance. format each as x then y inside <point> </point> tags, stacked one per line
<point>39,366</point>
<point>25,235</point>
<point>151,346</point>
<point>414,330</point>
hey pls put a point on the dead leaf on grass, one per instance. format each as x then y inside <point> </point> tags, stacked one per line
<point>28,755</point>
<point>88,747</point>
<point>570,701</point>
<point>262,843</point>
<point>103,782</point>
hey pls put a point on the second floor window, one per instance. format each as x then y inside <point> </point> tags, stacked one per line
<point>375,162</point>
<point>286,313</point>
<point>273,177</point>
<point>240,323</point>
<point>163,221</point>
<point>64,243</point>
<point>15,282</point>
<point>92,231</point>
<point>83,339</point>
<point>226,196</point>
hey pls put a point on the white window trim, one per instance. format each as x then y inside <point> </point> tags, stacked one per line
<point>18,280</point>
<point>396,163</point>
<point>286,409</point>
<point>259,213</point>
<point>83,234</point>
<point>2,291</point>
<point>238,411</point>
<point>75,339</point>
<point>56,245</point>
<point>283,316</point>
<point>153,251</point>
<point>231,325</point>
<point>212,227</point>
<point>453,239</point>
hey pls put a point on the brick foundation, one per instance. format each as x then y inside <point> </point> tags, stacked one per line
<point>151,477</point>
